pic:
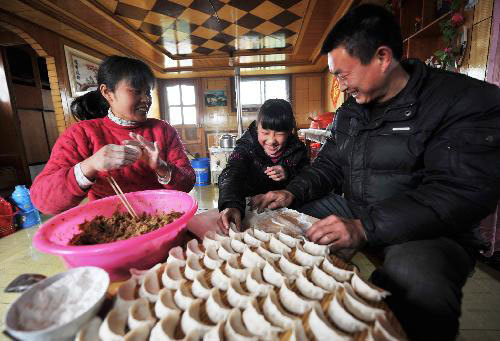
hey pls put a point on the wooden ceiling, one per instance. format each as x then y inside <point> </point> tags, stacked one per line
<point>190,38</point>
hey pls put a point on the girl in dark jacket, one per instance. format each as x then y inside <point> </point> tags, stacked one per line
<point>266,157</point>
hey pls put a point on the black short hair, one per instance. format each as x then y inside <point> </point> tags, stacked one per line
<point>277,114</point>
<point>363,30</point>
<point>111,71</point>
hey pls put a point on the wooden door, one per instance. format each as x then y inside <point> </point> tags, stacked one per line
<point>13,167</point>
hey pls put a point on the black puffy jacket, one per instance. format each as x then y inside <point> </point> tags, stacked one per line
<point>244,174</point>
<point>428,167</point>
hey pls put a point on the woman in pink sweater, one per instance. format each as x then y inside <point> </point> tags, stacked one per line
<point>113,137</point>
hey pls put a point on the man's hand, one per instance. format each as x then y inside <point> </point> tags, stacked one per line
<point>272,200</point>
<point>276,173</point>
<point>342,233</point>
<point>109,157</point>
<point>229,215</point>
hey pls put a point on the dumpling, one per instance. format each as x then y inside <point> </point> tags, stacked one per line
<point>193,267</point>
<point>250,259</point>
<point>191,321</point>
<point>278,247</point>
<point>308,289</point>
<point>274,312</point>
<point>113,326</point>
<point>288,240</point>
<point>216,310</point>
<point>323,280</point>
<point>219,279</point>
<point>212,259</point>
<point>250,239</point>
<point>272,275</point>
<point>262,235</point>
<point>293,302</point>
<point>90,331</point>
<point>165,304</point>
<point>289,267</point>
<point>236,296</point>
<point>172,276</point>
<point>342,318</point>
<point>233,269</point>
<point>225,251</point>
<point>235,330</point>
<point>139,314</point>
<point>193,249</point>
<point>150,287</point>
<point>209,240</point>
<point>183,297</point>
<point>316,249</point>
<point>321,328</point>
<point>255,284</point>
<point>200,287</point>
<point>306,259</point>
<point>126,295</point>
<point>176,256</point>
<point>358,308</point>
<point>339,274</point>
<point>366,290</point>
<point>257,323</point>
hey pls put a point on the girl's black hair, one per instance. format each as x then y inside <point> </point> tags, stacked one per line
<point>277,114</point>
<point>112,70</point>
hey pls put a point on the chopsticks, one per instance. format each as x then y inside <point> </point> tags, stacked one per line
<point>122,197</point>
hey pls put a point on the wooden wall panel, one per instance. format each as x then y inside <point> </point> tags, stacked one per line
<point>308,97</point>
<point>50,127</point>
<point>28,97</point>
<point>33,132</point>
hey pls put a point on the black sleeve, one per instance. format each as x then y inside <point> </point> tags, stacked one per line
<point>303,161</point>
<point>232,179</point>
<point>320,178</point>
<point>461,182</point>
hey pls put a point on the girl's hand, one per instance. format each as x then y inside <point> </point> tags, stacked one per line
<point>109,157</point>
<point>229,215</point>
<point>277,173</point>
<point>150,152</point>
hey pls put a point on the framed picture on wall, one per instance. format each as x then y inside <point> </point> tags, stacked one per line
<point>82,71</point>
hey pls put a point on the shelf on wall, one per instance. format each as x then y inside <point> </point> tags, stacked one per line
<point>430,30</point>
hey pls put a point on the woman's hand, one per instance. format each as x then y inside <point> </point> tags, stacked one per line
<point>150,151</point>
<point>229,215</point>
<point>109,157</point>
<point>277,173</point>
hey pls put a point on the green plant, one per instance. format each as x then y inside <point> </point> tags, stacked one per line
<point>449,29</point>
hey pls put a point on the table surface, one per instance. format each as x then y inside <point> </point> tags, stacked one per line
<point>18,256</point>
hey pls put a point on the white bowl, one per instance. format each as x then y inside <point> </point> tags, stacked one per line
<point>94,293</point>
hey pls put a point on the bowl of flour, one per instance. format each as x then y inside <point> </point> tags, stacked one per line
<point>57,307</point>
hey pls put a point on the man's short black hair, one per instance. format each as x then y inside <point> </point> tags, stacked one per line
<point>363,30</point>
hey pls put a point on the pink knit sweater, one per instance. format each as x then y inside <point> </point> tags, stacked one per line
<point>56,190</point>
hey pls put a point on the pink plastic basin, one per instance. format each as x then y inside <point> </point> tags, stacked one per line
<point>117,258</point>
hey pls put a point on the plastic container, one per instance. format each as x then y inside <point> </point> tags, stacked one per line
<point>64,331</point>
<point>117,258</point>
<point>202,170</point>
<point>28,215</point>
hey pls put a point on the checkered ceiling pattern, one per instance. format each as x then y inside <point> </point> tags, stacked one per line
<point>189,28</point>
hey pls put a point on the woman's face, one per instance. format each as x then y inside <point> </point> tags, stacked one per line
<point>272,141</point>
<point>128,103</point>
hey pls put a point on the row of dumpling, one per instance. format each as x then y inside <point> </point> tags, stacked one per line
<point>244,269</point>
<point>345,317</point>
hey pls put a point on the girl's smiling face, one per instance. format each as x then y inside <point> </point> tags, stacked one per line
<point>128,103</point>
<point>271,141</point>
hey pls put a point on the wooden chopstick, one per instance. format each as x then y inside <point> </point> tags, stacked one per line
<point>121,196</point>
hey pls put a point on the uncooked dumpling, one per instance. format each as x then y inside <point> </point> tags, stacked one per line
<point>250,259</point>
<point>216,310</point>
<point>139,314</point>
<point>219,279</point>
<point>200,287</point>
<point>339,274</point>
<point>113,326</point>
<point>342,318</point>
<point>126,295</point>
<point>316,249</point>
<point>272,275</point>
<point>236,296</point>
<point>233,270</point>
<point>172,276</point>
<point>150,287</point>
<point>193,267</point>
<point>165,304</point>
<point>323,280</point>
<point>257,323</point>
<point>212,259</point>
<point>306,259</point>
<point>308,289</point>
<point>176,256</point>
<point>255,284</point>
<point>235,330</point>
<point>193,249</point>
<point>358,308</point>
<point>275,313</point>
<point>366,290</point>
<point>293,302</point>
<point>210,240</point>
<point>183,297</point>
<point>278,247</point>
<point>191,321</point>
<point>321,329</point>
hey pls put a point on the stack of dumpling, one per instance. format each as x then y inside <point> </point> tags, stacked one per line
<point>253,285</point>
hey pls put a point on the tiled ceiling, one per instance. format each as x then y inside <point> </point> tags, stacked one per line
<point>193,28</point>
<point>191,38</point>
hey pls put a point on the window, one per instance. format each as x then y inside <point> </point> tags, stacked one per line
<point>255,91</point>
<point>181,102</point>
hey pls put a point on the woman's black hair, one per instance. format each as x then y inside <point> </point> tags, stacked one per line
<point>277,114</point>
<point>112,70</point>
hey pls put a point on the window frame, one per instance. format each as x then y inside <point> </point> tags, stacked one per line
<point>255,107</point>
<point>179,82</point>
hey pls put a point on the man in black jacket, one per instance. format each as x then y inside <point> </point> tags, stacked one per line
<point>416,153</point>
